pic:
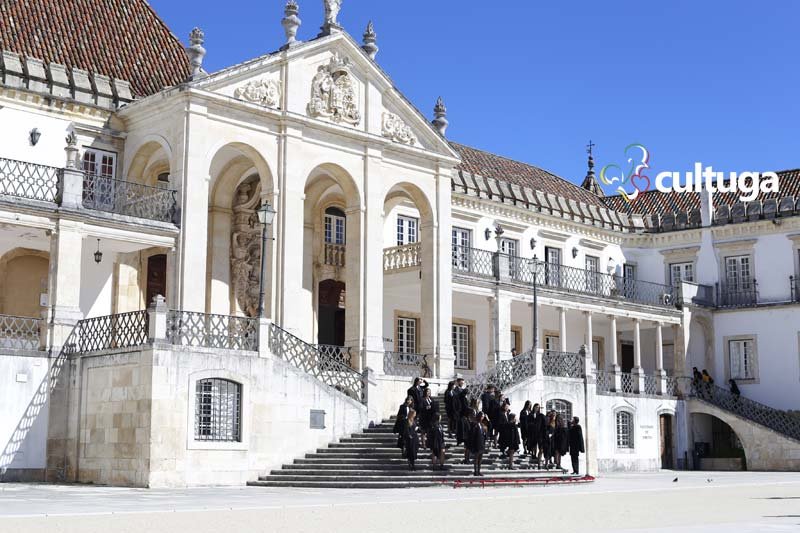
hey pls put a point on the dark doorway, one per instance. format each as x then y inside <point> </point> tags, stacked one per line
<point>665,430</point>
<point>156,277</point>
<point>330,313</point>
<point>626,357</point>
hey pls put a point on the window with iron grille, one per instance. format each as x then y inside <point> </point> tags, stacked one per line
<point>461,345</point>
<point>624,430</point>
<point>407,230</point>
<point>218,411</point>
<point>561,407</point>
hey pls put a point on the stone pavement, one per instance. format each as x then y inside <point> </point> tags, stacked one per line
<point>699,502</point>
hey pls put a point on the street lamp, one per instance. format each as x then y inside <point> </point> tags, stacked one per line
<point>266,214</point>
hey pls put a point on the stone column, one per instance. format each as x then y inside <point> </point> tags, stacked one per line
<point>501,327</point>
<point>589,333</point>
<point>661,375</point>
<point>590,424</point>
<point>615,368</point>
<point>638,372</point>
<point>442,243</point>
<point>66,256</point>
<point>562,328</point>
<point>354,334</point>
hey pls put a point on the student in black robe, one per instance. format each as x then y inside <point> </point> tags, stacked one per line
<point>436,442</point>
<point>503,423</point>
<point>461,411</point>
<point>468,420</point>
<point>512,439</point>
<point>523,424</point>
<point>561,438</point>
<point>487,399</point>
<point>448,408</point>
<point>536,426</point>
<point>477,442</point>
<point>417,392</point>
<point>548,441</point>
<point>575,443</point>
<point>428,408</point>
<point>411,440</point>
<point>400,421</point>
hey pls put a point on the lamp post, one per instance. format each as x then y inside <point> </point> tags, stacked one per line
<point>266,214</point>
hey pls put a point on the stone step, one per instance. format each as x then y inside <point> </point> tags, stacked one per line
<point>408,483</point>
<point>320,473</point>
<point>407,476</point>
<point>384,466</point>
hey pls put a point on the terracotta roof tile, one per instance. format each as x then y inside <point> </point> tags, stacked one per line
<point>124,39</point>
<point>501,168</point>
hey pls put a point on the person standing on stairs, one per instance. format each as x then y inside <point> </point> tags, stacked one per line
<point>428,409</point>
<point>436,442</point>
<point>523,425</point>
<point>502,423</point>
<point>512,439</point>
<point>417,392</point>
<point>536,432</point>
<point>561,438</point>
<point>400,422</point>
<point>548,441</point>
<point>476,443</point>
<point>411,439</point>
<point>460,410</point>
<point>575,443</point>
<point>467,422</point>
<point>449,409</point>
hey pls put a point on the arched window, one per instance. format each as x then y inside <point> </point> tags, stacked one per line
<point>218,411</point>
<point>624,430</point>
<point>561,407</point>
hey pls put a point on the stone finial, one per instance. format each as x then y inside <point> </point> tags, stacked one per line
<point>331,25</point>
<point>369,41</point>
<point>72,150</point>
<point>440,121</point>
<point>590,182</point>
<point>196,53</point>
<point>291,22</point>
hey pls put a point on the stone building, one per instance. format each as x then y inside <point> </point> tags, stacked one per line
<point>204,276</point>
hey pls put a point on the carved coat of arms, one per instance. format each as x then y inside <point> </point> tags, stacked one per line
<point>395,129</point>
<point>332,93</point>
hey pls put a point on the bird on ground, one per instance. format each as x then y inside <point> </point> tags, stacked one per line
<point>675,480</point>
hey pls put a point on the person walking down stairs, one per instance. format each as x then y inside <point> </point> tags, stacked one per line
<point>476,442</point>
<point>400,422</point>
<point>411,439</point>
<point>436,442</point>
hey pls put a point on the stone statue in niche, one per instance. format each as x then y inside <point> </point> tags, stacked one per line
<point>395,129</point>
<point>261,92</point>
<point>333,94</point>
<point>246,246</point>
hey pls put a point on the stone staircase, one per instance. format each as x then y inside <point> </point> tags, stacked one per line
<point>371,459</point>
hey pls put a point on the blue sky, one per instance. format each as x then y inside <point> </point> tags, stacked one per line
<point>712,81</point>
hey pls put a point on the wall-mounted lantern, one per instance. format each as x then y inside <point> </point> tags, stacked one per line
<point>34,136</point>
<point>98,255</point>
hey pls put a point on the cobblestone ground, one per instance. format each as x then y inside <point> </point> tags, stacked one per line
<point>697,502</point>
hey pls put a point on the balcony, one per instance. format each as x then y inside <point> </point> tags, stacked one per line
<point>402,257</point>
<point>743,294</point>
<point>490,265</point>
<point>30,181</point>
<point>333,254</point>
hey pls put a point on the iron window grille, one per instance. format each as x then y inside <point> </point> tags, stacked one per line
<point>561,407</point>
<point>218,411</point>
<point>624,430</point>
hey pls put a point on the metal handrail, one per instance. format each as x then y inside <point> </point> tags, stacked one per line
<point>505,374</point>
<point>20,332</point>
<point>187,328</point>
<point>121,330</point>
<point>563,364</point>
<point>32,181</point>
<point>128,198</point>
<point>406,364</point>
<point>343,354</point>
<point>742,294</point>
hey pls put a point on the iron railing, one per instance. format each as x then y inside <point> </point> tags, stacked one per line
<point>627,383</point>
<point>650,385</point>
<point>333,254</point>
<point>185,328</point>
<point>743,294</point>
<point>20,333</point>
<point>128,198</point>
<point>343,354</point>
<point>784,423</point>
<point>123,330</point>
<point>29,180</point>
<point>563,364</point>
<point>309,359</point>
<point>485,264</point>
<point>401,257</point>
<point>406,364</point>
<point>604,381</point>
<point>672,386</point>
<point>504,374</point>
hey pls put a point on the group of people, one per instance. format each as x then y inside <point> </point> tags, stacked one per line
<point>703,384</point>
<point>481,424</point>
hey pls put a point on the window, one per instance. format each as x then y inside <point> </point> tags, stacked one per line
<point>406,335</point>
<point>681,272</point>
<point>516,339</point>
<point>592,273</point>
<point>628,280</point>
<point>461,345</point>
<point>561,407</point>
<point>218,411</point>
<point>552,343</point>
<point>668,352</point>
<point>552,267</point>
<point>742,361</point>
<point>510,247</point>
<point>99,162</point>
<point>737,272</point>
<point>462,241</point>
<point>407,230</point>
<point>624,430</point>
<point>334,226</point>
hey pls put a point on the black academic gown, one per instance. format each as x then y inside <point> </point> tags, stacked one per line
<point>503,429</point>
<point>513,439</point>
<point>416,394</point>
<point>400,424</point>
<point>536,427</point>
<point>436,439</point>
<point>411,441</point>
<point>576,440</point>
<point>426,413</point>
<point>448,404</point>
<point>476,442</point>
<point>561,440</point>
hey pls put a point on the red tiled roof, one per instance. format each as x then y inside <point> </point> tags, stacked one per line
<point>653,202</point>
<point>501,168</point>
<point>123,39</point>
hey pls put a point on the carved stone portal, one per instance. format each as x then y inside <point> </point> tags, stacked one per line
<point>246,246</point>
<point>395,129</point>
<point>261,92</point>
<point>332,93</point>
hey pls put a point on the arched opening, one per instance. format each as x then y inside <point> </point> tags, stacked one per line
<point>24,277</point>
<point>331,313</point>
<point>666,440</point>
<point>156,277</point>
<point>150,165</point>
<point>240,183</point>
<point>716,445</point>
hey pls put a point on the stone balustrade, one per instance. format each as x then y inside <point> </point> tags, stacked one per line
<point>402,257</point>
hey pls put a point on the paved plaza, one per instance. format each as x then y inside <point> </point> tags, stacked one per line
<point>707,502</point>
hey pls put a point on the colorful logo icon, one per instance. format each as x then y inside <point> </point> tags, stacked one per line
<point>629,184</point>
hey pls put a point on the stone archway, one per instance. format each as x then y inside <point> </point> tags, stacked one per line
<point>24,275</point>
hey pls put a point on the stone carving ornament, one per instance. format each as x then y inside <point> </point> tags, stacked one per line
<point>332,8</point>
<point>261,92</point>
<point>395,129</point>
<point>332,93</point>
<point>246,246</point>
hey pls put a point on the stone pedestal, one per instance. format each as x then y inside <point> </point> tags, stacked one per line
<point>638,379</point>
<point>616,370</point>
<point>661,382</point>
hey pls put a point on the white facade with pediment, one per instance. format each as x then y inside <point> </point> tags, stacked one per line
<point>384,261</point>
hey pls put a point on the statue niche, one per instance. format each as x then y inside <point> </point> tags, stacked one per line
<point>246,246</point>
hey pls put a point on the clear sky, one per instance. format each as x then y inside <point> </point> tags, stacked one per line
<point>712,81</point>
